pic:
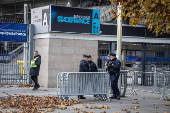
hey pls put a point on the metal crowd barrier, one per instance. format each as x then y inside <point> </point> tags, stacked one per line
<point>6,79</point>
<point>137,82</point>
<point>122,83</point>
<point>165,85</point>
<point>154,82</point>
<point>83,83</point>
<point>148,81</point>
<point>132,81</point>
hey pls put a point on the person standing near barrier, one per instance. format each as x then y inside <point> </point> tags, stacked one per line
<point>83,67</point>
<point>92,65</point>
<point>34,69</point>
<point>92,68</point>
<point>113,67</point>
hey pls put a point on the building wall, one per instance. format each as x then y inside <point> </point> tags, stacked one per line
<point>62,55</point>
<point>42,46</point>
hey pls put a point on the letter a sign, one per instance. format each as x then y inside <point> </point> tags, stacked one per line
<point>95,21</point>
<point>45,17</point>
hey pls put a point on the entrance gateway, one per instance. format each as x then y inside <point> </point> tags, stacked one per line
<point>62,42</point>
<point>14,52</point>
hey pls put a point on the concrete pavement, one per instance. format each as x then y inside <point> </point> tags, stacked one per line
<point>144,102</point>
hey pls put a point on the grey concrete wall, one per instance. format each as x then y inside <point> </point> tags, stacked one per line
<point>62,55</point>
<point>42,46</point>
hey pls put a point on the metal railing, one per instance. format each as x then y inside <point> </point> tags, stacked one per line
<point>122,81</point>
<point>13,79</point>
<point>12,68</point>
<point>154,82</point>
<point>98,83</point>
<point>88,83</point>
<point>11,20</point>
<point>83,83</point>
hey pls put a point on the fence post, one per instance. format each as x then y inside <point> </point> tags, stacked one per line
<point>132,92</point>
<point>124,82</point>
<point>156,90</point>
<point>25,59</point>
<point>164,96</point>
<point>119,82</point>
<point>31,44</point>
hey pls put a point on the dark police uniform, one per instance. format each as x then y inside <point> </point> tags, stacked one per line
<point>83,67</point>
<point>113,68</point>
<point>92,66</point>
<point>34,70</point>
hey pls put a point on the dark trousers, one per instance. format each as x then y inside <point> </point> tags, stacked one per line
<point>114,83</point>
<point>35,79</point>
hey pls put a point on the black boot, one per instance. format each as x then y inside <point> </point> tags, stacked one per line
<point>36,87</point>
<point>94,95</point>
<point>81,97</point>
<point>113,96</point>
<point>118,96</point>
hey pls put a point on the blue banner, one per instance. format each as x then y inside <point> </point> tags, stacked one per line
<point>13,32</point>
<point>149,59</point>
<point>95,21</point>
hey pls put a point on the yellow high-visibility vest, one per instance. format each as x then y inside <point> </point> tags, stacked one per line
<point>33,62</point>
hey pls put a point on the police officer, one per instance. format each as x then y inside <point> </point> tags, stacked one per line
<point>113,67</point>
<point>34,69</point>
<point>92,68</point>
<point>92,65</point>
<point>83,67</point>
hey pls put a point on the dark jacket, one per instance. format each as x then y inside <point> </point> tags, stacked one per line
<point>113,66</point>
<point>34,71</point>
<point>84,67</point>
<point>92,66</point>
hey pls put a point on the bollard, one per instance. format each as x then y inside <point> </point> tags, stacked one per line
<point>21,67</point>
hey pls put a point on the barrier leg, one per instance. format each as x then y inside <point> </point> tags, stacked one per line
<point>164,95</point>
<point>156,90</point>
<point>64,97</point>
<point>132,92</point>
<point>103,97</point>
<point>125,85</point>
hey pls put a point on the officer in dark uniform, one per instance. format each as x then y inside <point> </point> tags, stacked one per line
<point>92,65</point>
<point>113,67</point>
<point>92,68</point>
<point>84,67</point>
<point>34,69</point>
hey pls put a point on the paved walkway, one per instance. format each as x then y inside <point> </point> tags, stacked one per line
<point>144,102</point>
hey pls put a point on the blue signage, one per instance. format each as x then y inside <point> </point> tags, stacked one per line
<point>76,20</point>
<point>95,21</point>
<point>149,59</point>
<point>13,32</point>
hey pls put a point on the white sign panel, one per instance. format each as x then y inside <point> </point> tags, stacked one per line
<point>40,19</point>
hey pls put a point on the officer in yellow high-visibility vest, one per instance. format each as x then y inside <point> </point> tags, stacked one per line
<point>34,69</point>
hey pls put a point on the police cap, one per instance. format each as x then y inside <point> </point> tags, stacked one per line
<point>112,54</point>
<point>85,56</point>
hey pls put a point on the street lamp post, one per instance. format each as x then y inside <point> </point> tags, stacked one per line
<point>119,32</point>
<point>119,38</point>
